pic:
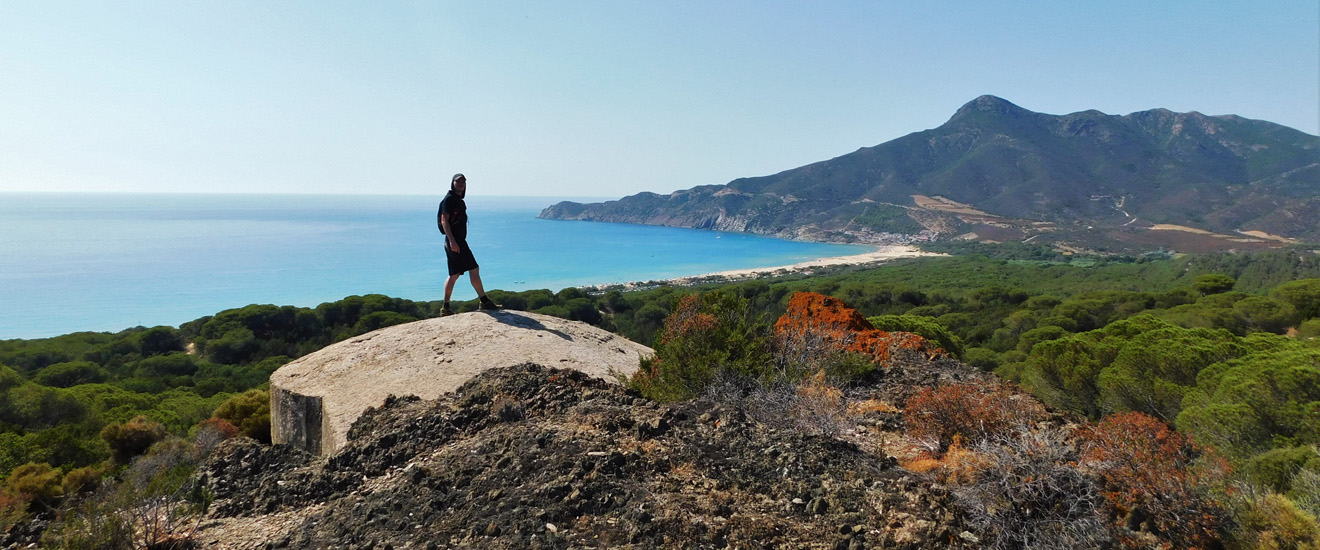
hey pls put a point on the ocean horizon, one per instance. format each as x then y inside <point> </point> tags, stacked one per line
<point>105,262</point>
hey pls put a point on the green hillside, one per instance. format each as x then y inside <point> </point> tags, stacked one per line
<point>1221,174</point>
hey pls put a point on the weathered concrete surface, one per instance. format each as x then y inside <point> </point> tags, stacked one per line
<point>316,398</point>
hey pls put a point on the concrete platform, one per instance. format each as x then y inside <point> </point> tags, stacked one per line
<point>316,398</point>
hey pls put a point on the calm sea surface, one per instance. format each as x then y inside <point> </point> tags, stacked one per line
<point>106,262</point>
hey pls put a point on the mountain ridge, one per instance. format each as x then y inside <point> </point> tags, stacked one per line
<point>1026,174</point>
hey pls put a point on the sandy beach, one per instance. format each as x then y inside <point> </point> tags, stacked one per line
<point>880,254</point>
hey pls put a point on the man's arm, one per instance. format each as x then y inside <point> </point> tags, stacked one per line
<point>449,233</point>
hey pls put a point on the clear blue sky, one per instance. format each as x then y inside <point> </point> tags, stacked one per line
<point>587,98</point>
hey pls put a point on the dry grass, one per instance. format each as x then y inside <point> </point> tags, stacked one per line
<point>871,406</point>
<point>684,470</point>
<point>958,465</point>
<point>644,447</point>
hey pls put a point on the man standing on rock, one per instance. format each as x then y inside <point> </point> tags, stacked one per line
<point>452,221</point>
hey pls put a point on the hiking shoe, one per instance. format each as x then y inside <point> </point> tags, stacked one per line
<point>485,304</point>
<point>445,311</point>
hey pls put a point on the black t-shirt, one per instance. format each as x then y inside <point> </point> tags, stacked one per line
<point>456,210</point>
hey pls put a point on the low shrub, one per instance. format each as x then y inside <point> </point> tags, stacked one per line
<point>983,359</point>
<point>957,465</point>
<point>1276,468</point>
<point>707,334</point>
<point>1024,491</point>
<point>35,482</point>
<point>81,480</point>
<point>813,316</point>
<point>249,412</point>
<point>132,438</point>
<point>1270,521</point>
<point>1305,491</point>
<point>210,432</point>
<point>1157,482</point>
<point>13,510</point>
<point>974,412</point>
<point>157,505</point>
<point>925,327</point>
<point>811,405</point>
<point>1309,329</point>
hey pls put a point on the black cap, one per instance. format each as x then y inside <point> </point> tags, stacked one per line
<point>458,176</point>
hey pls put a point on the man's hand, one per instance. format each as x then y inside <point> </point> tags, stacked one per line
<point>453,245</point>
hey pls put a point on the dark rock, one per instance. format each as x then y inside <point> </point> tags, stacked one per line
<point>488,481</point>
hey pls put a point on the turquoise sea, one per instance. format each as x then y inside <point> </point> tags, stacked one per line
<point>106,262</point>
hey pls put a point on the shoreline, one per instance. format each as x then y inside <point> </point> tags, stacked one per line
<point>881,254</point>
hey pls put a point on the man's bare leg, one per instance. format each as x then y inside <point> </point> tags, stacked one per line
<point>449,286</point>
<point>476,282</point>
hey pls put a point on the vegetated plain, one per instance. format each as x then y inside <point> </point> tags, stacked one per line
<point>1221,347</point>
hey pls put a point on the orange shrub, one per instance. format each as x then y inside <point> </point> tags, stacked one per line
<point>223,428</point>
<point>958,465</point>
<point>1157,480</point>
<point>972,411</point>
<point>687,319</point>
<point>210,432</point>
<point>13,509</point>
<point>813,316</point>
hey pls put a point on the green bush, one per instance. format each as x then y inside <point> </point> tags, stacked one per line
<point>64,375</point>
<point>171,364</point>
<point>158,341</point>
<point>1065,373</point>
<point>1309,329</point>
<point>1213,283</point>
<point>1276,468</point>
<point>380,319</point>
<point>132,438</point>
<point>707,334</point>
<point>1142,363</point>
<point>553,311</point>
<point>1152,371</point>
<point>1247,405</point>
<point>1272,522</point>
<point>922,326</point>
<point>583,309</point>
<point>37,407</point>
<point>234,346</point>
<point>1267,315</point>
<point>981,358</point>
<point>1030,338</point>
<point>81,480</point>
<point>1302,294</point>
<point>39,483</point>
<point>249,412</point>
<point>69,445</point>
<point>510,300</point>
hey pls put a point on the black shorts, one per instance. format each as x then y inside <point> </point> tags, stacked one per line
<point>461,261</point>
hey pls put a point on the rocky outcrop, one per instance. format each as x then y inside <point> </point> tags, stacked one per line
<point>315,399</point>
<point>534,457</point>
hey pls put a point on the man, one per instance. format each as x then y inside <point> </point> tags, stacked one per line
<point>452,220</point>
